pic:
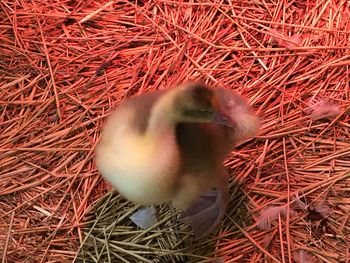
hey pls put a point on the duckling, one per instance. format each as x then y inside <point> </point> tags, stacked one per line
<point>170,146</point>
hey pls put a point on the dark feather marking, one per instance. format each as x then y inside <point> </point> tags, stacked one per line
<point>202,146</point>
<point>143,105</point>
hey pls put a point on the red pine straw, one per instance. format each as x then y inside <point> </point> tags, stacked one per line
<point>64,65</point>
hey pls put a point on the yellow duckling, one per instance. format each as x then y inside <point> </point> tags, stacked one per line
<point>170,146</point>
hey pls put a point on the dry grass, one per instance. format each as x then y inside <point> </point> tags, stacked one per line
<point>65,64</point>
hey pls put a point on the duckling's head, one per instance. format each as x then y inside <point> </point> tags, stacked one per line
<point>246,122</point>
<point>195,102</point>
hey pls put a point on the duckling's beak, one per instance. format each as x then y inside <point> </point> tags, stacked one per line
<point>223,119</point>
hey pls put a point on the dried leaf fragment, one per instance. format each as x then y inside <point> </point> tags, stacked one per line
<point>271,214</point>
<point>301,256</point>
<point>322,108</point>
<point>285,41</point>
<point>145,218</point>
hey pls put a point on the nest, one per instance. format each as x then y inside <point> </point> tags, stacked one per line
<point>64,65</point>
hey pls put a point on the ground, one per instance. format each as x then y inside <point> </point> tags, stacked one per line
<point>64,65</point>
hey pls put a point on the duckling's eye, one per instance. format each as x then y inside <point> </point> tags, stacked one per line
<point>197,112</point>
<point>207,111</point>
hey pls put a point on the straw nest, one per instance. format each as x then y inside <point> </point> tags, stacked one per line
<point>64,65</point>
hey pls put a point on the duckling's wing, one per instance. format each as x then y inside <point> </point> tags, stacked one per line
<point>205,214</point>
